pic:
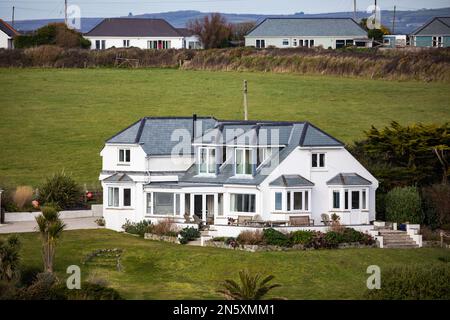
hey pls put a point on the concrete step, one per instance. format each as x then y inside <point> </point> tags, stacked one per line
<point>400,246</point>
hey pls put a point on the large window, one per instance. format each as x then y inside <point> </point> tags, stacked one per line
<point>124,155</point>
<point>207,160</point>
<point>163,203</point>
<point>336,199</point>
<point>260,43</point>
<point>100,44</point>
<point>113,197</point>
<point>438,42</point>
<point>297,200</point>
<point>126,197</point>
<point>243,161</point>
<point>242,202</point>
<point>318,160</point>
<point>278,201</point>
<point>158,44</point>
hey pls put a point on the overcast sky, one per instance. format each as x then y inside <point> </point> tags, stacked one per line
<point>36,9</point>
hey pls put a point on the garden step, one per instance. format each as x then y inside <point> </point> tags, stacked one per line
<point>400,246</point>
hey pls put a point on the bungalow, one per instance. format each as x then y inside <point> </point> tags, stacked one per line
<point>232,172</point>
<point>130,32</point>
<point>435,33</point>
<point>7,34</point>
<point>307,32</point>
<point>191,40</point>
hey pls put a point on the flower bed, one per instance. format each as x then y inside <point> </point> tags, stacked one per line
<point>273,240</point>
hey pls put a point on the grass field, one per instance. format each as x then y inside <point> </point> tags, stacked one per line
<point>158,270</point>
<point>52,119</point>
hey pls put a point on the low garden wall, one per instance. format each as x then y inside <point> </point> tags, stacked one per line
<point>95,211</point>
<point>265,248</point>
<point>152,236</point>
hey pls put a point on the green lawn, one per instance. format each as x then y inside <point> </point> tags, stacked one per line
<point>158,270</point>
<point>52,119</point>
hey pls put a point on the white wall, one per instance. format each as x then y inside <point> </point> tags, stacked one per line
<point>338,160</point>
<point>4,40</point>
<point>110,158</point>
<point>325,42</point>
<point>175,42</point>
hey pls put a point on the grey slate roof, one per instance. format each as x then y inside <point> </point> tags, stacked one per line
<point>348,179</point>
<point>294,180</point>
<point>436,26</point>
<point>307,27</point>
<point>158,136</point>
<point>8,29</point>
<point>132,27</point>
<point>118,177</point>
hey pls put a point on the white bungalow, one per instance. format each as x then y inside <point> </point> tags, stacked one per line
<point>232,172</point>
<point>7,34</point>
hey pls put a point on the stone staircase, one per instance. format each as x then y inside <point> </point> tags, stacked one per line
<point>397,239</point>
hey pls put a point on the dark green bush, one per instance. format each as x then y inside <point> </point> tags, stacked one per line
<point>139,228</point>
<point>302,237</point>
<point>413,283</point>
<point>60,189</point>
<point>189,234</point>
<point>333,238</point>
<point>93,291</point>
<point>404,205</point>
<point>276,238</point>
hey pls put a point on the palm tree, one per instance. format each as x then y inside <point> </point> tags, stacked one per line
<point>9,258</point>
<point>251,287</point>
<point>51,227</point>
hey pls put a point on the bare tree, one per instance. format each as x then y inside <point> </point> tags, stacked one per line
<point>213,30</point>
<point>240,30</point>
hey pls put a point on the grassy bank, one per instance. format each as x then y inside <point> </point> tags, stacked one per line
<point>53,119</point>
<point>157,270</point>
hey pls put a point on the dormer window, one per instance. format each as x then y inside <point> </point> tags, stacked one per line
<point>207,160</point>
<point>243,161</point>
<point>124,156</point>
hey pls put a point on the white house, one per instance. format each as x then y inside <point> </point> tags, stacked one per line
<point>7,34</point>
<point>215,171</point>
<point>141,33</point>
<point>307,32</point>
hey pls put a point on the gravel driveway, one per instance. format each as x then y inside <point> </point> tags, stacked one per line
<point>30,226</point>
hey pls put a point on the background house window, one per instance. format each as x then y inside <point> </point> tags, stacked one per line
<point>207,160</point>
<point>285,42</point>
<point>300,43</point>
<point>318,160</point>
<point>438,42</point>
<point>113,197</point>
<point>260,43</point>
<point>242,202</point>
<point>306,43</point>
<point>278,201</point>
<point>243,161</point>
<point>336,199</point>
<point>124,155</point>
<point>163,203</point>
<point>126,197</point>
<point>126,43</point>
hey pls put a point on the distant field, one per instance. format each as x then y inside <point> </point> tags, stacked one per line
<point>53,119</point>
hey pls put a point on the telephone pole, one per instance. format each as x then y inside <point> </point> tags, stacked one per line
<point>354,10</point>
<point>65,12</point>
<point>12,20</point>
<point>393,21</point>
<point>375,11</point>
<point>245,101</point>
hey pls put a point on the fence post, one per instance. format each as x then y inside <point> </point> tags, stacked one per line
<point>442,239</point>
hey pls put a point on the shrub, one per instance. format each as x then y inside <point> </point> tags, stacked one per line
<point>189,234</point>
<point>61,189</point>
<point>302,237</point>
<point>276,238</point>
<point>139,228</point>
<point>23,196</point>
<point>332,239</point>
<point>414,282</point>
<point>404,205</point>
<point>164,227</point>
<point>321,242</point>
<point>436,204</point>
<point>250,237</point>
<point>100,222</point>
<point>28,275</point>
<point>93,291</point>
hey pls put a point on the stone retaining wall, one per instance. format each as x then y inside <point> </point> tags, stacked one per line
<point>95,211</point>
<point>152,236</point>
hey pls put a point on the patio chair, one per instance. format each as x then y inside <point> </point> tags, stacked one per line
<point>242,220</point>
<point>301,221</point>
<point>187,218</point>
<point>325,219</point>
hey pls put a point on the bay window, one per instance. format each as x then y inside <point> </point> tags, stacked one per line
<point>278,201</point>
<point>297,200</point>
<point>353,199</point>
<point>113,197</point>
<point>242,202</point>
<point>126,197</point>
<point>119,197</point>
<point>336,199</point>
<point>243,162</point>
<point>163,203</point>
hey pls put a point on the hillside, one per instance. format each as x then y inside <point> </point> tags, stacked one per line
<point>406,21</point>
